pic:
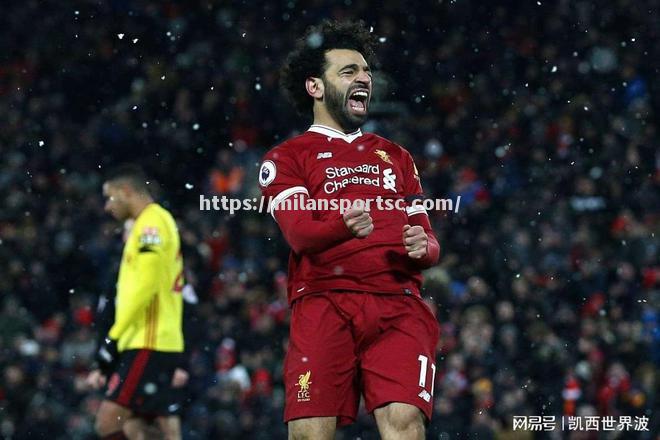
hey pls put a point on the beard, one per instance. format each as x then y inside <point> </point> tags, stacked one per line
<point>337,104</point>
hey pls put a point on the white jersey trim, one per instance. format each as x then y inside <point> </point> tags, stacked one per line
<point>334,133</point>
<point>412,210</point>
<point>283,195</point>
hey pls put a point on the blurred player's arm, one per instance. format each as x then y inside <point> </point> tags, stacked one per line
<point>105,315</point>
<point>103,319</point>
<point>191,334</point>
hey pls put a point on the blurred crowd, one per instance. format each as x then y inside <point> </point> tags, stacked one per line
<point>542,116</point>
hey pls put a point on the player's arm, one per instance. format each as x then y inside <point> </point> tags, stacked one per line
<point>420,241</point>
<point>418,237</point>
<point>280,177</point>
<point>190,324</point>
<point>308,236</point>
<point>103,319</point>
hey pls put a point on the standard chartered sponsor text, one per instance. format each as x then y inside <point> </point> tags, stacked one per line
<point>300,202</point>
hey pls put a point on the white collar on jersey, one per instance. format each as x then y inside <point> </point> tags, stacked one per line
<point>334,133</point>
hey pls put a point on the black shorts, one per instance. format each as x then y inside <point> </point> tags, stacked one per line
<point>142,383</point>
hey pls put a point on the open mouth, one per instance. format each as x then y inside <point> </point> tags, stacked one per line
<point>357,101</point>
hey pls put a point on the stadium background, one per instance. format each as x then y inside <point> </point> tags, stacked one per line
<point>542,115</point>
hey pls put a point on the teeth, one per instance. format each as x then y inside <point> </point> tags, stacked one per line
<point>362,94</point>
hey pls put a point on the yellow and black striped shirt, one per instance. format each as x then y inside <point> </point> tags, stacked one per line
<point>149,306</point>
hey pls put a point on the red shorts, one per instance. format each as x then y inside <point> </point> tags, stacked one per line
<point>343,344</point>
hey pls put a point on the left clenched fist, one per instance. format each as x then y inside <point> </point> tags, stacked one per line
<point>415,240</point>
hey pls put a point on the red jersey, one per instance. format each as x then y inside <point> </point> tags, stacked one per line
<point>324,163</point>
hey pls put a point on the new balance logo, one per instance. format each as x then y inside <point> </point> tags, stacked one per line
<point>326,155</point>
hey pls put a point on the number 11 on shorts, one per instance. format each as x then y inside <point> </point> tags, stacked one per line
<point>423,370</point>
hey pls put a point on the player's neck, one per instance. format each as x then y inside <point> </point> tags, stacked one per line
<point>139,205</point>
<point>322,117</point>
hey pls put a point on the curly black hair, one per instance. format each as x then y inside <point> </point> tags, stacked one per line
<point>308,57</point>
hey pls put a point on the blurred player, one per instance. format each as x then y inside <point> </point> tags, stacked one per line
<point>139,357</point>
<point>358,323</point>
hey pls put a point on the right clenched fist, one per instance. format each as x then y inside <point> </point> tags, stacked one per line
<point>358,221</point>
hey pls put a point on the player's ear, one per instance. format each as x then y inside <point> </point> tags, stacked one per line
<point>314,87</point>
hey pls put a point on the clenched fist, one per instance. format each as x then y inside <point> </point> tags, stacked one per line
<point>358,221</point>
<point>416,241</point>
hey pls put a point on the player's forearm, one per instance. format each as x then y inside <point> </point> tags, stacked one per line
<point>141,294</point>
<point>433,247</point>
<point>308,236</point>
<point>104,317</point>
<point>432,252</point>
